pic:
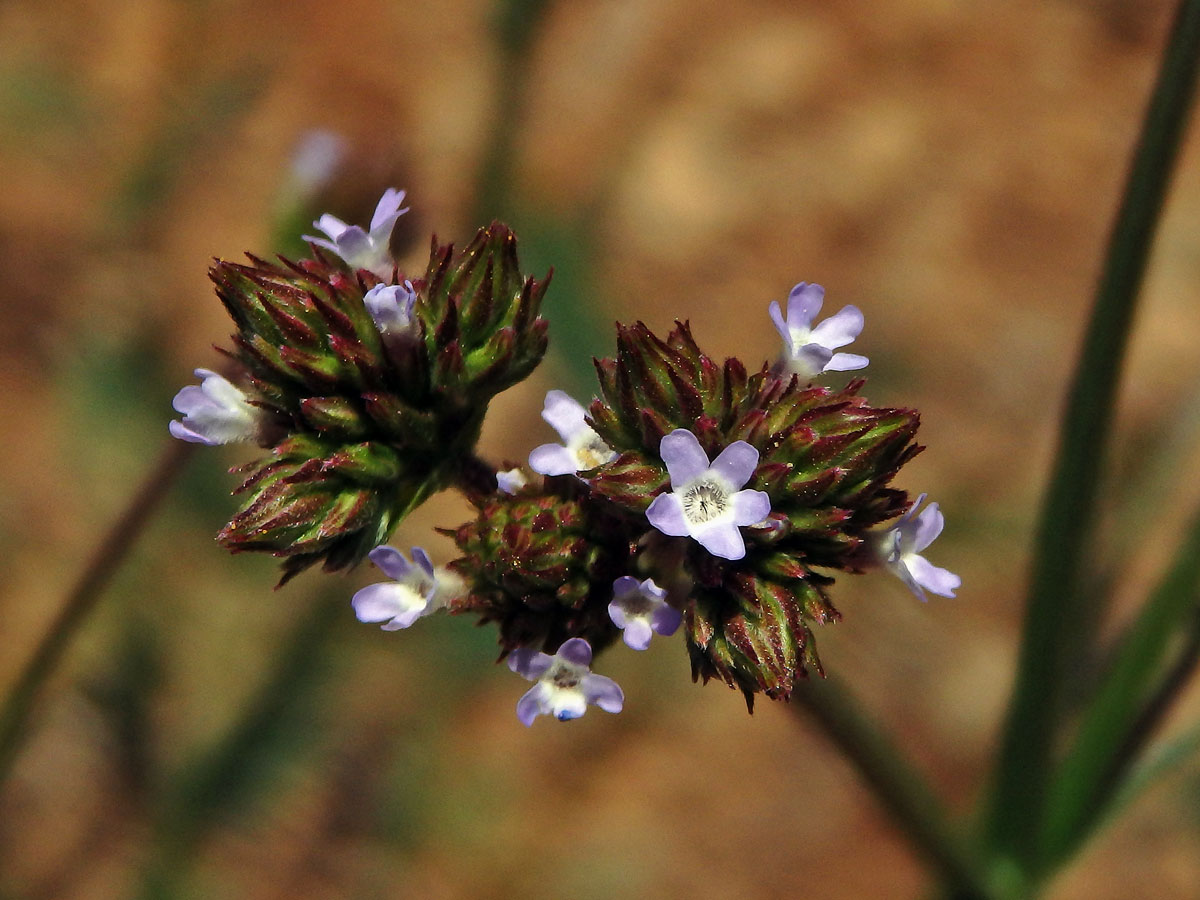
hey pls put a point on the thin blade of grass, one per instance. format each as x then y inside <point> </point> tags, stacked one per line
<point>1068,511</point>
<point>1083,780</point>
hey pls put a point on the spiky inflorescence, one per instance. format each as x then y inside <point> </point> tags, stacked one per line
<point>541,564</point>
<point>826,459</point>
<point>363,427</point>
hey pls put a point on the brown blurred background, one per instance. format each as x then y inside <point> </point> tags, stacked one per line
<point>949,167</point>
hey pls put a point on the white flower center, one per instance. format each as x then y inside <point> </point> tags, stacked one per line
<point>592,451</point>
<point>704,500</point>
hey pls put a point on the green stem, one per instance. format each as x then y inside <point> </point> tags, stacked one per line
<point>897,785</point>
<point>106,560</point>
<point>517,25</point>
<point>1065,528</point>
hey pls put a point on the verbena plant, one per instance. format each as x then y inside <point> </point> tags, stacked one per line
<point>691,495</point>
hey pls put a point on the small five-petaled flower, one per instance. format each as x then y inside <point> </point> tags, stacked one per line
<point>900,547</point>
<point>362,249</point>
<point>214,412</point>
<point>416,591</point>
<point>640,609</point>
<point>565,683</point>
<point>581,449</point>
<point>705,501</point>
<point>808,351</point>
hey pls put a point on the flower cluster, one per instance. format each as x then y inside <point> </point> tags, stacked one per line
<point>690,495</point>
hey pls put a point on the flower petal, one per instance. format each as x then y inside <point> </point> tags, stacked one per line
<point>387,211</point>
<point>935,580</point>
<point>750,507</point>
<point>183,433</point>
<point>776,315</point>
<point>928,525</point>
<point>666,620</point>
<point>564,413</point>
<point>901,572</point>
<point>383,601</point>
<point>553,459</point>
<point>666,514</point>
<point>331,225</point>
<point>809,360</point>
<point>846,362</point>
<point>839,329</point>
<point>804,302</point>
<point>566,704</point>
<point>684,457</point>
<point>353,246</point>
<point>391,562</point>
<point>637,633</point>
<point>421,558</point>
<point>604,692</point>
<point>528,663</point>
<point>736,463</point>
<point>723,540</point>
<point>530,706</point>
<point>576,651</point>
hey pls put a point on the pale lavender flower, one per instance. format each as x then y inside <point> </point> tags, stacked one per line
<point>705,501</point>
<point>565,683</point>
<point>808,351</point>
<point>581,449</point>
<point>214,412</point>
<point>900,546</point>
<point>361,249</point>
<point>639,609</point>
<point>511,480</point>
<point>391,306</point>
<point>416,591</point>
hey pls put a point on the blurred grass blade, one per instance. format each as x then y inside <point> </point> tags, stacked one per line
<point>1080,786</point>
<point>276,726</point>
<point>1163,761</point>
<point>1055,601</point>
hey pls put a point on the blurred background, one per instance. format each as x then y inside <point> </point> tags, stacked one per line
<point>949,167</point>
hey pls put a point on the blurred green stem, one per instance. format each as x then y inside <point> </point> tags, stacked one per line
<point>106,560</point>
<point>517,25</point>
<point>896,784</point>
<point>1065,528</point>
